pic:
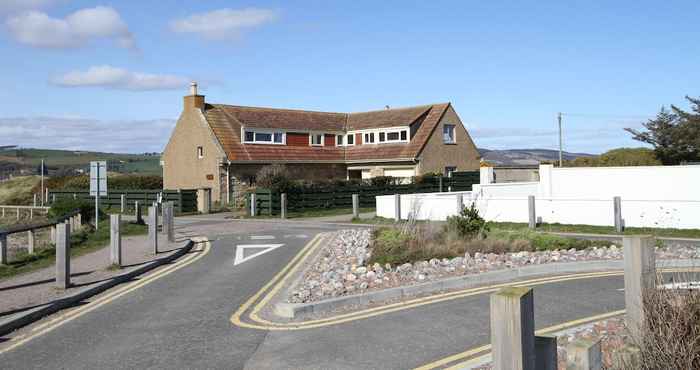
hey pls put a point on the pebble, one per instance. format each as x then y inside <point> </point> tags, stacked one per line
<point>340,270</point>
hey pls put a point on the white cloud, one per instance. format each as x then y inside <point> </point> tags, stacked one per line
<point>223,23</point>
<point>38,29</point>
<point>120,79</point>
<point>13,6</point>
<point>87,134</point>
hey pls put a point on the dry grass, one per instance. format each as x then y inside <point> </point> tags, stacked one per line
<point>17,191</point>
<point>670,336</point>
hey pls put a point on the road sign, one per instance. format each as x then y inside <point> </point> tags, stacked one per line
<point>98,178</point>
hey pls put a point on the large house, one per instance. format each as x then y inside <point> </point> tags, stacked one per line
<point>222,147</point>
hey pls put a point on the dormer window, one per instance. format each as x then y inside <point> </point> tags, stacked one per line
<point>316,139</point>
<point>264,137</point>
<point>369,138</point>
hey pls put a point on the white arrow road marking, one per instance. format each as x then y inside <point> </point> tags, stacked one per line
<point>299,236</point>
<point>262,237</point>
<point>263,248</point>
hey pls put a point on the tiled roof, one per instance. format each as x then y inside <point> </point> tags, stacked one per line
<point>226,122</point>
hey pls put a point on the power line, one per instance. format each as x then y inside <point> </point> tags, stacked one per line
<point>603,115</point>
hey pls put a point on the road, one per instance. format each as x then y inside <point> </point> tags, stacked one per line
<point>182,319</point>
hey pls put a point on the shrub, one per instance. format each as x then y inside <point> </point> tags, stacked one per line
<point>468,224</point>
<point>275,177</point>
<point>64,206</point>
<point>670,335</point>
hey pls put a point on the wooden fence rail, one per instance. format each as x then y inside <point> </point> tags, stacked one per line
<point>185,200</point>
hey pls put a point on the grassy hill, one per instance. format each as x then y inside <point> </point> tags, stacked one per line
<point>27,161</point>
<point>18,190</point>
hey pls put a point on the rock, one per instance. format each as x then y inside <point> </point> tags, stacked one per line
<point>361,270</point>
<point>421,277</point>
<point>363,285</point>
<point>371,275</point>
<point>350,277</point>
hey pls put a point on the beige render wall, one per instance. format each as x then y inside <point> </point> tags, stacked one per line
<point>182,169</point>
<point>437,155</point>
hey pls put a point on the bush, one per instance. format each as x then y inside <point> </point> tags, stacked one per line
<point>670,335</point>
<point>64,206</point>
<point>274,177</point>
<point>468,224</point>
<point>114,182</point>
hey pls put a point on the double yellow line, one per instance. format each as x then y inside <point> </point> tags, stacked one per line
<point>248,314</point>
<point>202,248</point>
<point>483,351</point>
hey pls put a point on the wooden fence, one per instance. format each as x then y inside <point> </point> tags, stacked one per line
<point>336,197</point>
<point>185,200</point>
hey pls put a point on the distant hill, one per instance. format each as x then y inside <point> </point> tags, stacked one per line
<point>26,161</point>
<point>520,157</point>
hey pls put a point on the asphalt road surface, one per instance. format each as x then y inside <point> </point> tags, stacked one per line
<point>182,319</point>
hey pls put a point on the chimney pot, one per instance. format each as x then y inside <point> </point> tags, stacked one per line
<point>193,88</point>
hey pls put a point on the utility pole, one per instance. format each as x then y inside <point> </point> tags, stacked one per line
<point>561,162</point>
<point>42,182</point>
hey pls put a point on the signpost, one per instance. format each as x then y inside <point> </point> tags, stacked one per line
<point>98,185</point>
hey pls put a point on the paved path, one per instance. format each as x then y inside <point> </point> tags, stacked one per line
<point>182,319</point>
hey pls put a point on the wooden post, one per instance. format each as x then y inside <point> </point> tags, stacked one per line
<point>153,228</point>
<point>513,329</point>
<point>617,209</point>
<point>546,356</point>
<point>122,203</point>
<point>35,199</point>
<point>17,209</point>
<point>397,207</point>
<point>31,213</point>
<point>584,354</point>
<point>283,206</point>
<point>115,239</point>
<point>168,221</point>
<point>356,206</point>
<point>640,276</point>
<point>137,211</point>
<point>62,255</point>
<point>53,234</point>
<point>31,239</point>
<point>532,224</point>
<point>46,195</point>
<point>440,182</point>
<point>3,249</point>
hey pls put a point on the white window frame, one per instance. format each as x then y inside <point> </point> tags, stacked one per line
<point>340,142</point>
<point>369,134</point>
<point>311,138</point>
<point>272,136</point>
<point>454,133</point>
<point>347,142</point>
<point>386,131</point>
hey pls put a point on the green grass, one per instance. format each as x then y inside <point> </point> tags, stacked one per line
<point>17,191</point>
<point>582,229</point>
<point>322,212</point>
<point>588,229</point>
<point>81,243</point>
<point>121,162</point>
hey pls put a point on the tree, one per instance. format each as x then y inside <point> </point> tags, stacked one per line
<point>674,134</point>
<point>617,158</point>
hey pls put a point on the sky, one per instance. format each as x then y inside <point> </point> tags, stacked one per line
<point>110,76</point>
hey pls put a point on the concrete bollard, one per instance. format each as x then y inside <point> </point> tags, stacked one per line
<point>584,354</point>
<point>283,206</point>
<point>168,221</point>
<point>513,329</point>
<point>532,221</point>
<point>115,240</point>
<point>617,210</point>
<point>546,357</point>
<point>397,207</point>
<point>253,205</point>
<point>460,203</point>
<point>356,206</point>
<point>3,249</point>
<point>122,203</point>
<point>63,255</point>
<point>640,275</point>
<point>137,211</point>
<point>153,228</point>
<point>31,240</point>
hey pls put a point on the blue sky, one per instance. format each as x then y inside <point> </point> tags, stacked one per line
<point>110,75</point>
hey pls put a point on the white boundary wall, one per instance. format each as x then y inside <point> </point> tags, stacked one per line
<point>654,196</point>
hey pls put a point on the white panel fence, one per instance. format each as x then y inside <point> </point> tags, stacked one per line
<point>667,197</point>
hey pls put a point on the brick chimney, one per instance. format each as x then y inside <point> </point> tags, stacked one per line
<point>193,100</point>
